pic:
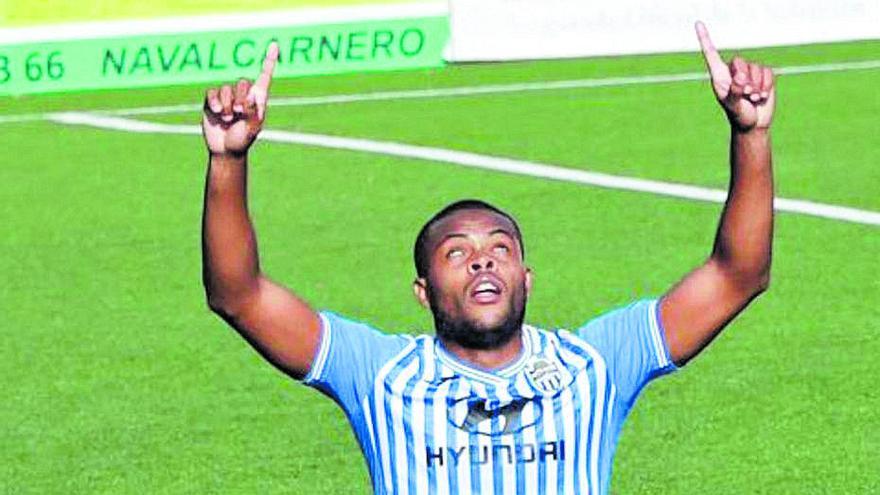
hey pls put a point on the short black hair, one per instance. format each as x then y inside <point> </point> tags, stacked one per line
<point>422,257</point>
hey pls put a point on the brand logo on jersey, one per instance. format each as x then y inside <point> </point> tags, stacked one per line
<point>544,374</point>
<point>542,452</point>
<point>509,417</point>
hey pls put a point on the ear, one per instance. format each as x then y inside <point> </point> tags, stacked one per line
<point>528,281</point>
<point>420,290</point>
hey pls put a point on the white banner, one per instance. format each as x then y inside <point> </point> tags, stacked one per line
<point>484,30</point>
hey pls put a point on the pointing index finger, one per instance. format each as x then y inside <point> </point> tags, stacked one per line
<point>268,67</point>
<point>259,92</point>
<point>713,58</point>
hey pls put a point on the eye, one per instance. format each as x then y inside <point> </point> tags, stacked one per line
<point>501,249</point>
<point>455,253</point>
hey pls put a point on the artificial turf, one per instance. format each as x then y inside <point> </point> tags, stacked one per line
<point>117,379</point>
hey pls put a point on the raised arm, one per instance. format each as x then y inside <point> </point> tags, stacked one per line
<point>696,309</point>
<point>274,321</point>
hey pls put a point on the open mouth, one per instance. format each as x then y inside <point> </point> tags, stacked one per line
<point>486,290</point>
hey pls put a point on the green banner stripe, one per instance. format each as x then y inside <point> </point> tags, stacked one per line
<point>212,56</point>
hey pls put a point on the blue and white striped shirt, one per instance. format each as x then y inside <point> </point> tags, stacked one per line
<point>547,423</point>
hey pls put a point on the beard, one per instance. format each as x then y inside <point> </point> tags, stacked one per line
<point>475,335</point>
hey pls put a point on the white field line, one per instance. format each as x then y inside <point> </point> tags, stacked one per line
<point>460,91</point>
<point>486,162</point>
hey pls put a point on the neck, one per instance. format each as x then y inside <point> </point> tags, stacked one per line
<point>488,359</point>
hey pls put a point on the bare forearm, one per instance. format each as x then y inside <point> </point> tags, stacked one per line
<point>743,244</point>
<point>697,308</point>
<point>229,247</point>
<point>280,325</point>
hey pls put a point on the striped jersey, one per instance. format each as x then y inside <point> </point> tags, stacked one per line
<point>547,423</point>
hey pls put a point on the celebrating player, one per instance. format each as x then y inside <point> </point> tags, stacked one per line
<point>488,404</point>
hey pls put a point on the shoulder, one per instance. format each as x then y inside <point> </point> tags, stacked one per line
<point>354,346</point>
<point>570,346</point>
<point>635,312</point>
<point>622,324</point>
<point>335,325</point>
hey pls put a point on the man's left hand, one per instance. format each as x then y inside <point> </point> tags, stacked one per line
<point>744,90</point>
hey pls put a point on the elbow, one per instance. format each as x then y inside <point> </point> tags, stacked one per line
<point>763,282</point>
<point>749,282</point>
<point>229,305</point>
<point>756,285</point>
<point>212,299</point>
<point>215,305</point>
<point>762,279</point>
<point>218,305</point>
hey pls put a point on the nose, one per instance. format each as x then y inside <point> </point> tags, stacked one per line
<point>482,262</point>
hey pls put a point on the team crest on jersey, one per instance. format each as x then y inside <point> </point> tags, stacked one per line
<point>544,374</point>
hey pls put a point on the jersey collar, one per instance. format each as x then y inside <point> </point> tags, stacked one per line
<point>455,365</point>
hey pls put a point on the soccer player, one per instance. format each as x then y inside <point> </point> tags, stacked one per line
<point>488,404</point>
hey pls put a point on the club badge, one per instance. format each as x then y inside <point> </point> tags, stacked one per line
<point>544,374</point>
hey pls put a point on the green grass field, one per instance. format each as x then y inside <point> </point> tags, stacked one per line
<point>117,379</point>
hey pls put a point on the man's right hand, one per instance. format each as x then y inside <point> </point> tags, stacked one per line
<point>273,319</point>
<point>233,115</point>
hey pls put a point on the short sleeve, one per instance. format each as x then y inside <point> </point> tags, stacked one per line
<point>349,357</point>
<point>633,344</point>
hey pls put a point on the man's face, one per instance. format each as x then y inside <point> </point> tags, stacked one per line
<point>477,284</point>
